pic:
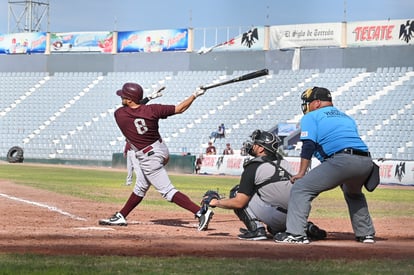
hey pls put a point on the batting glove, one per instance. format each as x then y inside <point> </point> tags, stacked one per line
<point>199,92</point>
<point>156,93</point>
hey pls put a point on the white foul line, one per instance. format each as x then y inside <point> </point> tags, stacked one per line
<point>51,208</point>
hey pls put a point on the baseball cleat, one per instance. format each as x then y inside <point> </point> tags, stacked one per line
<point>366,239</point>
<point>243,230</point>
<point>204,220</point>
<point>284,237</point>
<point>314,232</point>
<point>116,219</point>
<point>257,235</point>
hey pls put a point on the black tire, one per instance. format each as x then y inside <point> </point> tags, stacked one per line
<point>15,154</point>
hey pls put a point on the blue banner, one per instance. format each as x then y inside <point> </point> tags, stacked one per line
<point>153,41</point>
<point>23,43</point>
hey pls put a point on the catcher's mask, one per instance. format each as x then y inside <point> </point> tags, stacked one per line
<point>269,141</point>
<point>312,94</point>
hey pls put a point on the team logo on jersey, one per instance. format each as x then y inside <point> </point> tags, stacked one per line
<point>303,134</point>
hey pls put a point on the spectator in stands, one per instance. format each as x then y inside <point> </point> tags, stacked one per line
<point>211,149</point>
<point>221,131</point>
<point>198,163</point>
<point>228,150</point>
<point>214,134</point>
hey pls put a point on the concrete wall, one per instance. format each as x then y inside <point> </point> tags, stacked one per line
<point>371,58</point>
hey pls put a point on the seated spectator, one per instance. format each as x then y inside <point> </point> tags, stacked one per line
<point>211,149</point>
<point>221,133</point>
<point>213,135</point>
<point>228,150</point>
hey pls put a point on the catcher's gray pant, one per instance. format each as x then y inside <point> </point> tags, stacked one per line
<point>268,214</point>
<point>347,171</point>
<point>152,171</point>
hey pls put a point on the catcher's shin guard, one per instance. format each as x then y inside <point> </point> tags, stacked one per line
<point>246,219</point>
<point>242,213</point>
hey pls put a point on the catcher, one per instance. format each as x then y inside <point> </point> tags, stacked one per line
<point>261,198</point>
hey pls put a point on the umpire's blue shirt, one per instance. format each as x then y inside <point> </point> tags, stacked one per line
<point>331,130</point>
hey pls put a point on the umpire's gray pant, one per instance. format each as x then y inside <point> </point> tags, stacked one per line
<point>347,171</point>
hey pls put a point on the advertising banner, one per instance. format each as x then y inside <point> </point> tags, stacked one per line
<point>380,33</point>
<point>253,39</point>
<point>391,171</point>
<point>396,172</point>
<point>153,41</point>
<point>81,42</point>
<point>233,164</point>
<point>23,43</point>
<point>305,35</point>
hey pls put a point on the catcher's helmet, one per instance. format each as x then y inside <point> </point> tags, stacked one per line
<point>132,91</point>
<point>312,94</point>
<point>267,140</point>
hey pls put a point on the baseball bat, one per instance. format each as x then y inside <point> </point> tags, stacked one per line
<point>238,79</point>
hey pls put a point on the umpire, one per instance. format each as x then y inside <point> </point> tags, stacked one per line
<point>332,137</point>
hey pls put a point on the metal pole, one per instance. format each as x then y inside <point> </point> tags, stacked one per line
<point>30,15</point>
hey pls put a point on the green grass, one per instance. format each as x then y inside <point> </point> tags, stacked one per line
<point>44,265</point>
<point>106,186</point>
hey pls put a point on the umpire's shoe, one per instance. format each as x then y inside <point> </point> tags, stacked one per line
<point>116,219</point>
<point>314,232</point>
<point>204,219</point>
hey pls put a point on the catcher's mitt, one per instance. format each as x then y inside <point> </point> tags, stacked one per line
<point>208,196</point>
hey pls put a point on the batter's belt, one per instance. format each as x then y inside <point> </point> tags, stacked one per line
<point>149,147</point>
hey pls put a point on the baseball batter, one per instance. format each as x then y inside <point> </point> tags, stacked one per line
<point>332,137</point>
<point>129,153</point>
<point>261,199</point>
<point>139,124</point>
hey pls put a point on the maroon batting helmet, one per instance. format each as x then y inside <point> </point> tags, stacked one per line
<point>132,91</point>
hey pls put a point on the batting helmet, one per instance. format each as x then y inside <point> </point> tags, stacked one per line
<point>267,140</point>
<point>132,91</point>
<point>312,94</point>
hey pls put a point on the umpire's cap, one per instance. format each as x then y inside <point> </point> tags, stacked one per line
<point>132,91</point>
<point>315,93</point>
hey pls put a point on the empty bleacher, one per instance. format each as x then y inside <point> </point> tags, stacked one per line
<point>70,115</point>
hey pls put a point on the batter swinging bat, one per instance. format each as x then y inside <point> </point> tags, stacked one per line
<point>238,79</point>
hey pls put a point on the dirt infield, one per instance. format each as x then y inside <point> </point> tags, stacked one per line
<point>42,222</point>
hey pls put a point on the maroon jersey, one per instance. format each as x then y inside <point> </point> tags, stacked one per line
<point>140,126</point>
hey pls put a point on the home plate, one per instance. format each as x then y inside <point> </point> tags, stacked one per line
<point>94,228</point>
